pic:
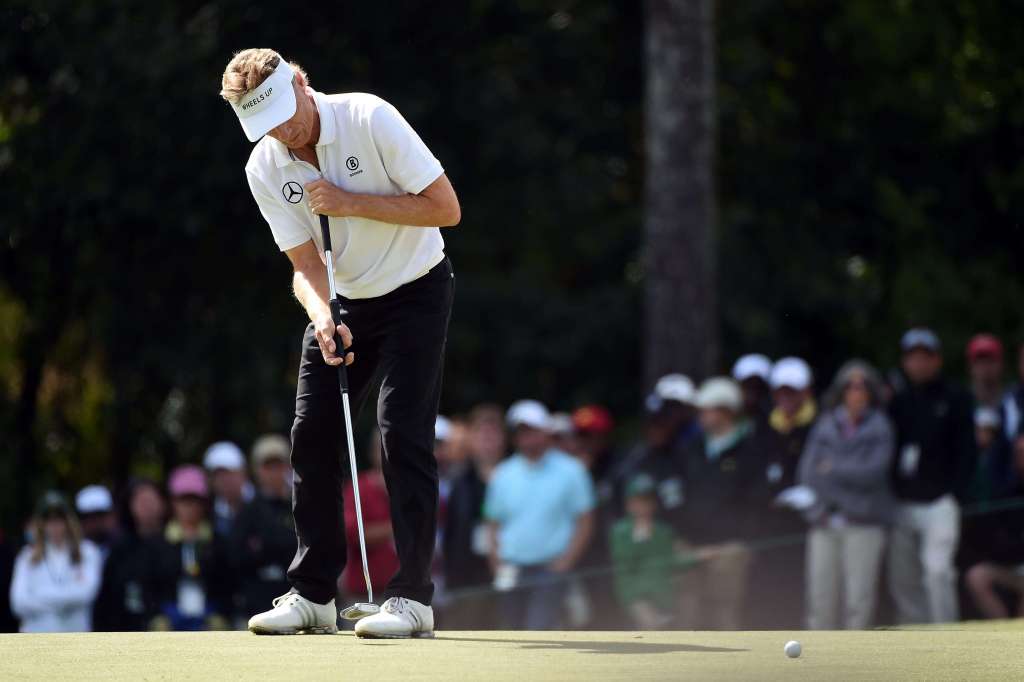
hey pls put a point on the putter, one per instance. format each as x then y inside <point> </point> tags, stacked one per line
<point>368,608</point>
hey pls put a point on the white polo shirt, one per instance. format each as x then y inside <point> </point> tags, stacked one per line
<point>365,147</point>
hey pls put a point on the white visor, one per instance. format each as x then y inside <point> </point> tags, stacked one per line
<point>269,105</point>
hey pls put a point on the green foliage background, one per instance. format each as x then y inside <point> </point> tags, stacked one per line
<point>869,177</point>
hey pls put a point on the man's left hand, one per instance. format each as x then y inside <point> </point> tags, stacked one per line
<point>330,200</point>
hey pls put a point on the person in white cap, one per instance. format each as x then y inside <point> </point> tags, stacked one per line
<point>540,504</point>
<point>263,537</point>
<point>96,516</point>
<point>795,408</point>
<point>790,420</point>
<point>675,398</point>
<point>225,463</point>
<point>671,428</point>
<point>753,372</point>
<point>353,158</point>
<point>720,484</point>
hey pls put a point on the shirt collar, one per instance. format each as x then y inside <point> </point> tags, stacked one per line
<point>328,123</point>
<point>328,131</point>
<point>783,423</point>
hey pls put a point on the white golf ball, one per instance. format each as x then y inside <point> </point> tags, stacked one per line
<point>793,649</point>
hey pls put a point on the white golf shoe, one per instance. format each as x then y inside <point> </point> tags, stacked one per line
<point>293,614</point>
<point>399,618</point>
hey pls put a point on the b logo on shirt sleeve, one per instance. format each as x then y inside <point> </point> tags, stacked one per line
<point>292,192</point>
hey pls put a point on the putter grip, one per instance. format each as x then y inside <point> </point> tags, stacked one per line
<point>340,349</point>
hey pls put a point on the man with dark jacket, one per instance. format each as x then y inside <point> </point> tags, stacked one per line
<point>671,428</point>
<point>935,453</point>
<point>722,479</point>
<point>135,575</point>
<point>264,535</point>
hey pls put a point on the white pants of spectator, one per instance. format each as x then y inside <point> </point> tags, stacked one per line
<point>922,577</point>
<point>843,567</point>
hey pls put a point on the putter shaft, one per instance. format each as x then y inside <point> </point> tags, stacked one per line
<point>325,233</point>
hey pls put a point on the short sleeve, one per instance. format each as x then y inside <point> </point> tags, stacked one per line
<point>406,158</point>
<point>581,499</point>
<point>288,231</point>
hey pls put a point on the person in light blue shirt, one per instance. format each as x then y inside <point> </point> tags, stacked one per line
<point>539,505</point>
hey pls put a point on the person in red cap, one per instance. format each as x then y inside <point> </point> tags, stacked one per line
<point>592,427</point>
<point>985,366</point>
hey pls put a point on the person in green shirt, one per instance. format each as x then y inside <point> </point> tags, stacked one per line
<point>643,551</point>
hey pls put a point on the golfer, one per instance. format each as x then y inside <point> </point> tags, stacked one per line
<point>354,158</point>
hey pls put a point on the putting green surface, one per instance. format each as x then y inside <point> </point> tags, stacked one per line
<point>969,653</point>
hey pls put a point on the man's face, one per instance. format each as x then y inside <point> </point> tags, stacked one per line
<point>147,506</point>
<point>273,477</point>
<point>921,365</point>
<point>987,369</point>
<point>788,399</point>
<point>658,430</point>
<point>530,441</point>
<point>98,525</point>
<point>717,420</point>
<point>228,484</point>
<point>298,130</point>
<point>754,391</point>
<point>487,440</point>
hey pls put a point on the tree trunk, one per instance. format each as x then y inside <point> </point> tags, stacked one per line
<point>681,316</point>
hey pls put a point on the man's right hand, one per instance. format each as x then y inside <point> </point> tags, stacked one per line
<point>325,331</point>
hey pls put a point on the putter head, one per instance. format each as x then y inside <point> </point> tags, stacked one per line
<point>360,610</point>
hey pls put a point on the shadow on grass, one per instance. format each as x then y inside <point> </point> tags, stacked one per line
<point>601,647</point>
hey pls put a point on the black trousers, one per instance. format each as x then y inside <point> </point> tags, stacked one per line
<point>399,339</point>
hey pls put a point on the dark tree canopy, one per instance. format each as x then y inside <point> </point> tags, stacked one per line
<point>868,176</point>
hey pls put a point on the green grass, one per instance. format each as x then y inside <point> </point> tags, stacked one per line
<point>969,652</point>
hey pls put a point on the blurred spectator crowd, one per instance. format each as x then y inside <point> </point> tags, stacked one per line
<point>762,499</point>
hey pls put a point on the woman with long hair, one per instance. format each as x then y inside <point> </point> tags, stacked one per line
<point>57,575</point>
<point>846,463</point>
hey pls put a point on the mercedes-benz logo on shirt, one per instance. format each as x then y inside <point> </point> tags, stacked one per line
<point>292,192</point>
<point>352,163</point>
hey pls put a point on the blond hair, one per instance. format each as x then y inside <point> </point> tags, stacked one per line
<point>248,68</point>
<point>39,537</point>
